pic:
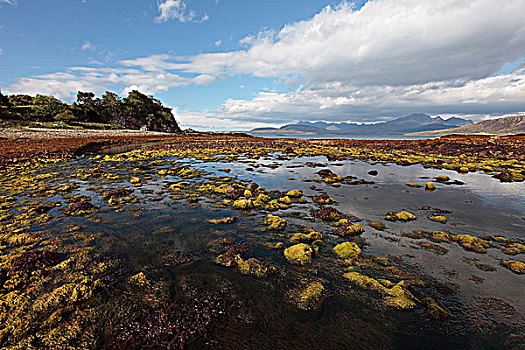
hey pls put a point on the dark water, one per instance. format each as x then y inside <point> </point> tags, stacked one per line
<point>486,312</point>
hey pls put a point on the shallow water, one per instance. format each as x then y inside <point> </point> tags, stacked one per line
<point>487,308</point>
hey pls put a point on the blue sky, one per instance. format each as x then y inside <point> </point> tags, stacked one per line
<point>228,64</point>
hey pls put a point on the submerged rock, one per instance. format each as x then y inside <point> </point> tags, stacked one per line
<point>253,266</point>
<point>228,220</point>
<point>308,297</point>
<point>323,199</point>
<point>347,250</point>
<point>299,254</point>
<point>435,310</point>
<point>400,216</point>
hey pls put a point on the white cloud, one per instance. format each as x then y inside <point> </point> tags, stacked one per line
<point>388,58</point>
<point>1,52</point>
<point>176,9</point>
<point>218,43</point>
<point>10,2</point>
<point>87,45</point>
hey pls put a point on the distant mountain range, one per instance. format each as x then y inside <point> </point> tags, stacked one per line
<point>412,123</point>
<point>507,125</point>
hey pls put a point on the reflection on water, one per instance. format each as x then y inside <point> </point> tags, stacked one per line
<point>159,229</point>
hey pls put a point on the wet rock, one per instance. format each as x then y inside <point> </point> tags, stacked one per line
<point>349,230</point>
<point>515,266</point>
<point>300,254</point>
<point>80,208</point>
<point>514,249</point>
<point>400,216</point>
<point>306,238</point>
<point>253,266</point>
<point>377,225</point>
<point>347,250</point>
<point>442,178</point>
<point>228,258</point>
<point>328,214</point>
<point>470,243</point>
<point>439,236</point>
<point>117,193</point>
<point>434,248</point>
<point>243,203</point>
<point>35,260</point>
<point>134,180</point>
<point>309,296</point>
<point>274,222</point>
<point>412,184</point>
<point>323,199</point>
<point>228,220</point>
<point>484,267</point>
<point>373,172</point>
<point>435,310</point>
<point>438,218</point>
<point>429,186</point>
<point>294,194</point>
<point>235,191</point>
<point>285,200</point>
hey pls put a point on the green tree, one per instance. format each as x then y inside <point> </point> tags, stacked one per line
<point>4,100</point>
<point>88,106</point>
<point>21,100</point>
<point>65,116</point>
<point>45,108</point>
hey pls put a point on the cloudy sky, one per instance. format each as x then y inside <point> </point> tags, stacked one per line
<point>238,64</point>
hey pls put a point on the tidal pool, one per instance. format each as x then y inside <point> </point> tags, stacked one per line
<point>150,274</point>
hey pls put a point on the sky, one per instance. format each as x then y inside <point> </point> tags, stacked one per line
<point>240,64</point>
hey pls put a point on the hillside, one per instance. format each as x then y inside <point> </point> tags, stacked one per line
<point>500,126</point>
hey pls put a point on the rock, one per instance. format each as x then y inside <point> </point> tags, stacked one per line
<point>435,310</point>
<point>349,230</point>
<point>400,216</point>
<point>253,266</point>
<point>243,203</point>
<point>373,172</point>
<point>438,218</point>
<point>411,184</point>
<point>377,225</point>
<point>285,200</point>
<point>439,236</point>
<point>515,266</point>
<point>442,178</point>
<point>309,297</point>
<point>397,296</point>
<point>299,254</point>
<point>323,199</point>
<point>274,222</point>
<point>134,180</point>
<point>294,194</point>
<point>228,220</point>
<point>306,238</point>
<point>514,249</point>
<point>471,243</point>
<point>464,170</point>
<point>347,250</point>
<point>429,186</point>
<point>328,214</point>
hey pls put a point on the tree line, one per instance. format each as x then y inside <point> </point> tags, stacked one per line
<point>136,111</point>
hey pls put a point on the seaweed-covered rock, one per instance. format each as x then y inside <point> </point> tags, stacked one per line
<point>347,250</point>
<point>442,178</point>
<point>309,296</point>
<point>299,254</point>
<point>435,310</point>
<point>80,208</point>
<point>471,243</point>
<point>514,249</point>
<point>349,230</point>
<point>429,186</point>
<point>306,237</point>
<point>323,199</point>
<point>228,220</point>
<point>400,216</point>
<point>243,203</point>
<point>294,194</point>
<point>377,225</point>
<point>515,266</point>
<point>274,222</point>
<point>253,266</point>
<point>439,236</point>
<point>328,214</point>
<point>438,218</point>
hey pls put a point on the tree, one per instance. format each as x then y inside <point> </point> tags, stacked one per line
<point>88,106</point>
<point>4,100</point>
<point>21,100</point>
<point>66,116</point>
<point>112,109</point>
<point>45,108</point>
